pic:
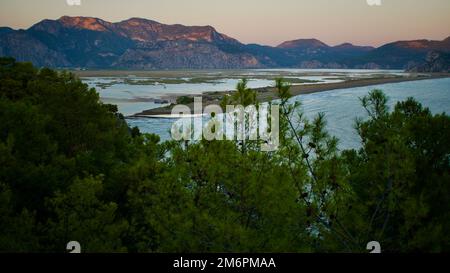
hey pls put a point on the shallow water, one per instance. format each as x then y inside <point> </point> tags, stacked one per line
<point>132,99</point>
<point>342,107</point>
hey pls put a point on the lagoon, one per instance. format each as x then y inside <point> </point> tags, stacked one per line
<point>341,107</point>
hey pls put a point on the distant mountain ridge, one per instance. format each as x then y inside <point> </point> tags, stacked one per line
<point>436,61</point>
<point>302,44</point>
<point>136,43</point>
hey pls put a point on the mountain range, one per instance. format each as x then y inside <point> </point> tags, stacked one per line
<point>136,43</point>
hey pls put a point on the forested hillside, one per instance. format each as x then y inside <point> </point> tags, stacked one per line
<point>72,170</point>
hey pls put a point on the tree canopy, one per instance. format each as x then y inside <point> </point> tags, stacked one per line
<point>72,170</point>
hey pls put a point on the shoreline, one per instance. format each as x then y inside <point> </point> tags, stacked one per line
<point>267,94</point>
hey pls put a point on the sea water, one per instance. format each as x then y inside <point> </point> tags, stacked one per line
<point>341,107</point>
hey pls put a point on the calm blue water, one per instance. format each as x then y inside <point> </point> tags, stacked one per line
<point>342,107</point>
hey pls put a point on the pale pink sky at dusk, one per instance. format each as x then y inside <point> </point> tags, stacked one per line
<point>267,22</point>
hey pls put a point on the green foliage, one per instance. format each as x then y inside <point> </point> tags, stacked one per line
<point>81,215</point>
<point>243,96</point>
<point>185,100</point>
<point>401,177</point>
<point>18,227</point>
<point>71,169</point>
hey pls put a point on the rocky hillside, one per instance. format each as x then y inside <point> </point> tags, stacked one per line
<point>312,53</point>
<point>436,61</point>
<point>403,54</point>
<point>85,42</point>
<point>135,43</point>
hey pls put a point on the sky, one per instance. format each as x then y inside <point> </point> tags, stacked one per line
<point>268,22</point>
